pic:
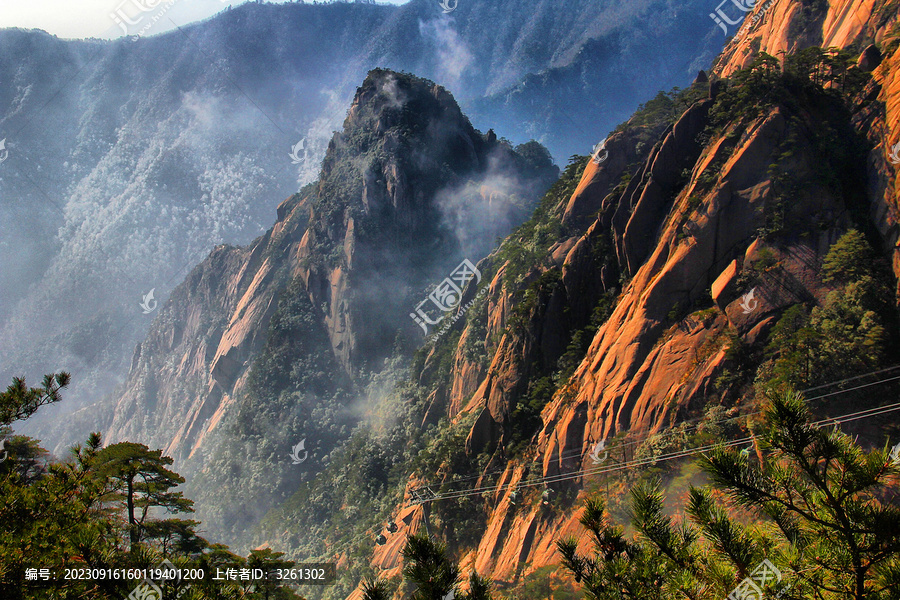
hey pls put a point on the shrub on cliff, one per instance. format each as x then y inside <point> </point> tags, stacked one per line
<point>846,335</point>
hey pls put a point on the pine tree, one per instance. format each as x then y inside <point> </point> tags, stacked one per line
<point>435,576</point>
<point>828,525</point>
<point>375,589</point>
<point>829,499</point>
<point>142,482</point>
<point>619,568</point>
<point>19,402</point>
<point>428,568</point>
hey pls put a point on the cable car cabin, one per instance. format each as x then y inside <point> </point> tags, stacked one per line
<point>381,540</point>
<point>392,527</point>
<point>546,496</point>
<point>515,497</point>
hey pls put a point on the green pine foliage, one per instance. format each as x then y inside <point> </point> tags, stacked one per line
<point>433,576</point>
<point>427,568</point>
<point>619,568</point>
<point>139,480</point>
<point>806,77</point>
<point>821,511</point>
<point>527,246</point>
<point>846,335</point>
<point>848,260</point>
<point>112,508</point>
<point>666,107</point>
<point>19,401</point>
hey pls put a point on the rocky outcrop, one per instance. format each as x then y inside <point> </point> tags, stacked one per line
<point>396,195</point>
<point>879,121</point>
<point>866,24</point>
<point>192,363</point>
<point>653,359</point>
<point>639,215</point>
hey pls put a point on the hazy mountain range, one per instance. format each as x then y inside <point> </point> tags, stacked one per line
<point>135,157</point>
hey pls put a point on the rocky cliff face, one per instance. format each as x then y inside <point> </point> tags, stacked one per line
<point>868,28</point>
<point>679,237</point>
<point>259,338</point>
<point>380,232</point>
<point>200,345</point>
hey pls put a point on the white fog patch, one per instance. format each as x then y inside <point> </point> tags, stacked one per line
<point>452,55</point>
<point>484,208</point>
<point>318,135</point>
<point>396,97</point>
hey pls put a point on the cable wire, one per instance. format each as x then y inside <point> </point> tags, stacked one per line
<point>855,416</point>
<point>629,443</point>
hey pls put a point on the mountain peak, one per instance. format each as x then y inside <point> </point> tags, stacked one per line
<point>408,189</point>
<point>399,117</point>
